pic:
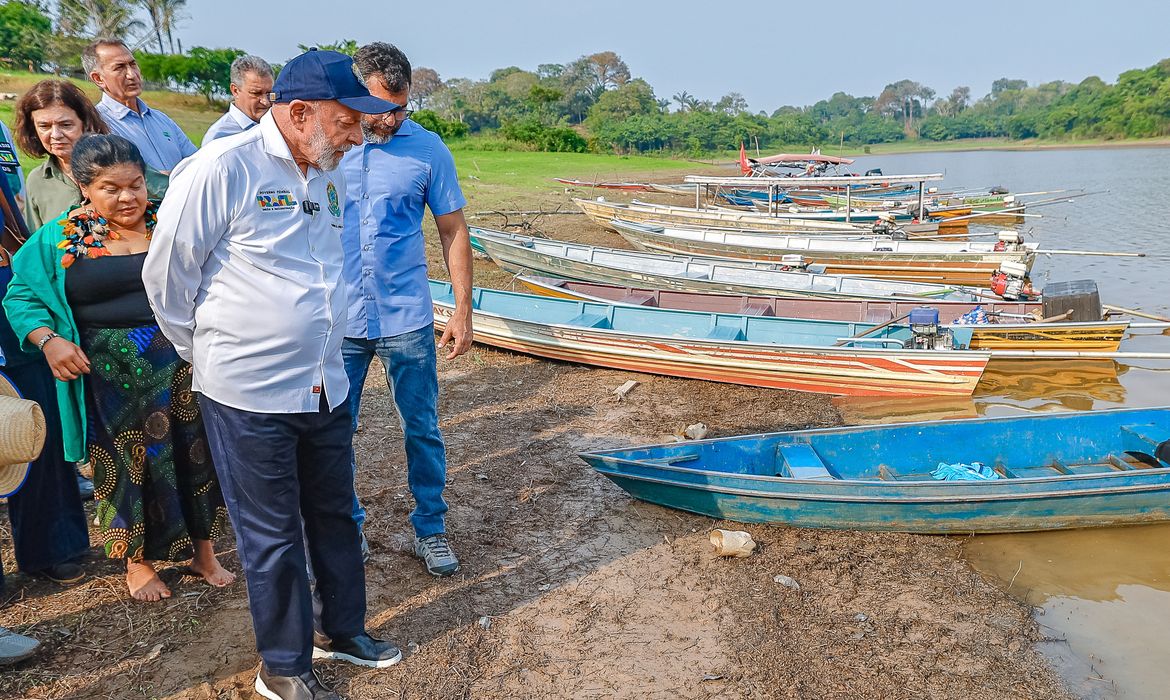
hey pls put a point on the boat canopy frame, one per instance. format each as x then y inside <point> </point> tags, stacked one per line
<point>777,184</point>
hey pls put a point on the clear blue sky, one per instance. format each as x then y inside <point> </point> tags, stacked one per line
<point>774,53</point>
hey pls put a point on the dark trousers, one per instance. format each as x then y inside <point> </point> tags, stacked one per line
<point>48,522</point>
<point>277,470</point>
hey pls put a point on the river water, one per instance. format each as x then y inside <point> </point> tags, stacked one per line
<point>1103,595</point>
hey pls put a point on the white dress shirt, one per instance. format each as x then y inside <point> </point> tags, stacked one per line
<point>232,122</point>
<point>244,282</point>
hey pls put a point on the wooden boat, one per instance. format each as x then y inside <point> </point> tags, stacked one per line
<point>1055,471</point>
<point>967,262</point>
<point>821,213</point>
<point>541,256</point>
<point>1015,328</point>
<point>626,186</point>
<point>731,348</point>
<point>603,213</point>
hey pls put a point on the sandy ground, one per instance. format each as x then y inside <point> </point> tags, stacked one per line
<point>569,588</point>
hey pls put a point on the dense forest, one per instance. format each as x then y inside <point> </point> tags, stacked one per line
<point>595,103</point>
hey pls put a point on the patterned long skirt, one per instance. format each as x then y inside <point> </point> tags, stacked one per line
<point>153,476</point>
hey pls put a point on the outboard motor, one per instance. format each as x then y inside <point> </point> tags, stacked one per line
<point>793,262</point>
<point>1010,281</point>
<point>920,215</point>
<point>925,329</point>
<point>884,227</point>
<point>1009,241</point>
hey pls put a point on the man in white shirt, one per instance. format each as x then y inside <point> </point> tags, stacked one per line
<point>251,83</point>
<point>244,277</point>
<point>111,66</point>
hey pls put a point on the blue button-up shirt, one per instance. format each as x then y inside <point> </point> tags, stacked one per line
<point>162,143</point>
<point>389,185</point>
<point>233,122</point>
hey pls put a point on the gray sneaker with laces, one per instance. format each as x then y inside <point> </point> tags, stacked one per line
<point>15,648</point>
<point>435,551</point>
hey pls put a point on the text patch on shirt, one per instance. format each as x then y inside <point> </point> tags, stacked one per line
<point>8,160</point>
<point>276,200</point>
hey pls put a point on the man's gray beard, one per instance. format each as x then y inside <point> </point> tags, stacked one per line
<point>374,137</point>
<point>325,154</point>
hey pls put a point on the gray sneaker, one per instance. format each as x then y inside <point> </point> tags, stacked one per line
<point>435,551</point>
<point>15,648</point>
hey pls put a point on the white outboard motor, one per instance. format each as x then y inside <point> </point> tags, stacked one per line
<point>793,262</point>
<point>1010,281</point>
<point>1009,241</point>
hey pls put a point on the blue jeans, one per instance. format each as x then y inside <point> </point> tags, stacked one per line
<point>412,375</point>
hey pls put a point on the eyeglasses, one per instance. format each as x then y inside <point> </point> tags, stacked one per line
<point>399,114</point>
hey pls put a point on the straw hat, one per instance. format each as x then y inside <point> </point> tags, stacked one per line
<point>22,436</point>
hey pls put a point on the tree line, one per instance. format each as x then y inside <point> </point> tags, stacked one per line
<point>594,103</point>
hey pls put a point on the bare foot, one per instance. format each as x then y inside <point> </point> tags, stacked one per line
<point>206,565</point>
<point>144,583</point>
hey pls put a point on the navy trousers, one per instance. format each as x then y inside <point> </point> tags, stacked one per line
<point>277,470</point>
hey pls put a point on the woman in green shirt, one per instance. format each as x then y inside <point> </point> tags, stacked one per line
<point>50,118</point>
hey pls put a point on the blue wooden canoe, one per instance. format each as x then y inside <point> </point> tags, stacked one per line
<point>1055,471</point>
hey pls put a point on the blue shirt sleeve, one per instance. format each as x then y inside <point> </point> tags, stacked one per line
<point>443,192</point>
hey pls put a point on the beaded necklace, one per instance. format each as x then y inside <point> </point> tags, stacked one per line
<point>86,233</point>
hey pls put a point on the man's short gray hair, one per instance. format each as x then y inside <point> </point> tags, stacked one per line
<point>385,61</point>
<point>89,55</point>
<point>249,64</point>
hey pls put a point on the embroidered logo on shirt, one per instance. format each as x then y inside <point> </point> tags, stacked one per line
<point>334,203</point>
<point>8,160</point>
<point>276,200</point>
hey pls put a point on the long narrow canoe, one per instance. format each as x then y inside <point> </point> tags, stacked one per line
<point>731,348</point>
<point>779,221</point>
<point>1055,471</point>
<point>542,256</point>
<point>1014,327</point>
<point>627,186</point>
<point>952,219</point>
<point>938,262</point>
<point>603,213</point>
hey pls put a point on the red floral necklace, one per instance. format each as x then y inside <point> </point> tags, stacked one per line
<point>86,233</point>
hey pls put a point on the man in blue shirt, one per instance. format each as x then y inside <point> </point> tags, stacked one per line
<point>251,83</point>
<point>111,66</point>
<point>400,170</point>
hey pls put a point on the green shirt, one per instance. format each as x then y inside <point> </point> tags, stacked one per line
<point>51,193</point>
<point>36,298</point>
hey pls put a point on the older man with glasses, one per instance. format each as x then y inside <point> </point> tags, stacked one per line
<point>400,171</point>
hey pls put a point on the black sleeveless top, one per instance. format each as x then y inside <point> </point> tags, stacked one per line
<point>107,292</point>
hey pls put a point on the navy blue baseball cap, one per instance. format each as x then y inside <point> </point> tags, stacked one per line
<point>326,75</point>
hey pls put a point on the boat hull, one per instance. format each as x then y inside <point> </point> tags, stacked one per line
<point>1097,336</point>
<point>1057,511</point>
<point>962,268</point>
<point>829,370</point>
<point>1054,471</point>
<point>707,275</point>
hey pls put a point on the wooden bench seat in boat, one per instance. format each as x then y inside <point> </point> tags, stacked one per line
<point>726,333</point>
<point>588,320</point>
<point>759,309</point>
<point>638,299</point>
<point>801,462</point>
